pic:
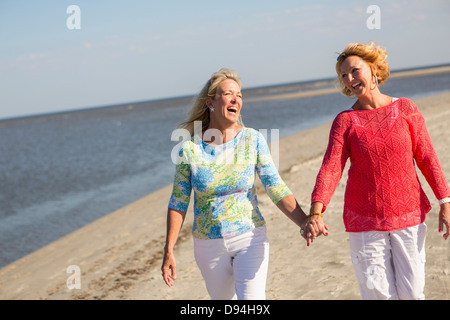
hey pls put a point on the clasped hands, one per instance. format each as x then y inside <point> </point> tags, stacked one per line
<point>313,227</point>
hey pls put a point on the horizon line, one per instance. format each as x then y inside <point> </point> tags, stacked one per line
<point>191,96</point>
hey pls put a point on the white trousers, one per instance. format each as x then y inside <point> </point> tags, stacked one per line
<point>235,267</point>
<point>390,265</point>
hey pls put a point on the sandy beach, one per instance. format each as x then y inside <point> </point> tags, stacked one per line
<point>119,255</point>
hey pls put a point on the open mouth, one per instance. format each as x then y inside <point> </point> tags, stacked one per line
<point>232,109</point>
<point>356,85</point>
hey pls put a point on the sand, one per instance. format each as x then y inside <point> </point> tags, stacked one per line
<point>119,255</point>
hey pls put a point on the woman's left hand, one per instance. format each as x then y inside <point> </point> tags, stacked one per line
<point>444,219</point>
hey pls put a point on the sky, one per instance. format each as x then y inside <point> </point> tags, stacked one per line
<point>130,51</point>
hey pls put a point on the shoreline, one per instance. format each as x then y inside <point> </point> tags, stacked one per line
<point>421,71</point>
<point>313,93</point>
<point>119,255</point>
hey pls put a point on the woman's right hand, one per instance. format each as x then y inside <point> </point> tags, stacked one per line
<point>175,220</point>
<point>168,268</point>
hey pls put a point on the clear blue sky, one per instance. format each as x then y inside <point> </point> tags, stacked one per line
<point>128,51</point>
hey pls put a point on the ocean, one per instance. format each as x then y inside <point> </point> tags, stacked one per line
<point>59,172</point>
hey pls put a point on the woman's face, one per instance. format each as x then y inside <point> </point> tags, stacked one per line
<point>227,102</point>
<point>357,76</point>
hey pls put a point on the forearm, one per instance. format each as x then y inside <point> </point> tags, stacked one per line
<point>316,207</point>
<point>431,169</point>
<point>290,207</point>
<point>426,158</point>
<point>175,221</point>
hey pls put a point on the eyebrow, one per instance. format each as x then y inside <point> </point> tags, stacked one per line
<point>350,68</point>
<point>230,90</point>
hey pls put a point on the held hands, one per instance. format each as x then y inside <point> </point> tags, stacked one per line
<point>313,227</point>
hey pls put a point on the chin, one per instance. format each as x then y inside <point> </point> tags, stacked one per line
<point>233,119</point>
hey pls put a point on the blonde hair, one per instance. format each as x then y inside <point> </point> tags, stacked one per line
<point>200,111</point>
<point>374,56</point>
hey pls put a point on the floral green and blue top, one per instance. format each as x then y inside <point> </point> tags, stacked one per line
<point>223,179</point>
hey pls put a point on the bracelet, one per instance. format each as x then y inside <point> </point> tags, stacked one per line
<point>316,214</point>
<point>444,200</point>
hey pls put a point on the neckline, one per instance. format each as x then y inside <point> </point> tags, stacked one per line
<point>393,100</point>
<point>223,144</point>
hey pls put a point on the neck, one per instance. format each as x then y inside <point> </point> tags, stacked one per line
<point>373,101</point>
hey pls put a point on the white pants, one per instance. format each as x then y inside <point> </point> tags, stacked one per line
<point>390,265</point>
<point>234,267</point>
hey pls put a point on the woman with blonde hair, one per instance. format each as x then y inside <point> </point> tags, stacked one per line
<point>200,111</point>
<point>385,206</point>
<point>230,242</point>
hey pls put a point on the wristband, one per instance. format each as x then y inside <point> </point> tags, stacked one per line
<point>444,200</point>
<point>318,214</point>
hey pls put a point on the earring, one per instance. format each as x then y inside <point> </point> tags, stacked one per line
<point>376,80</point>
<point>212,108</point>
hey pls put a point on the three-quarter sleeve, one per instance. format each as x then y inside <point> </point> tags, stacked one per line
<point>333,162</point>
<point>425,154</point>
<point>275,187</point>
<point>182,187</point>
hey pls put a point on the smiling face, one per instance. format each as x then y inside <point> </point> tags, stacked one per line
<point>357,76</point>
<point>227,104</point>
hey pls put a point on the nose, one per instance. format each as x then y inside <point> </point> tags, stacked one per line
<point>349,77</point>
<point>234,98</point>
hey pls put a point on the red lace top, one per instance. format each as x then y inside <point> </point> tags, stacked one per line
<point>383,191</point>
